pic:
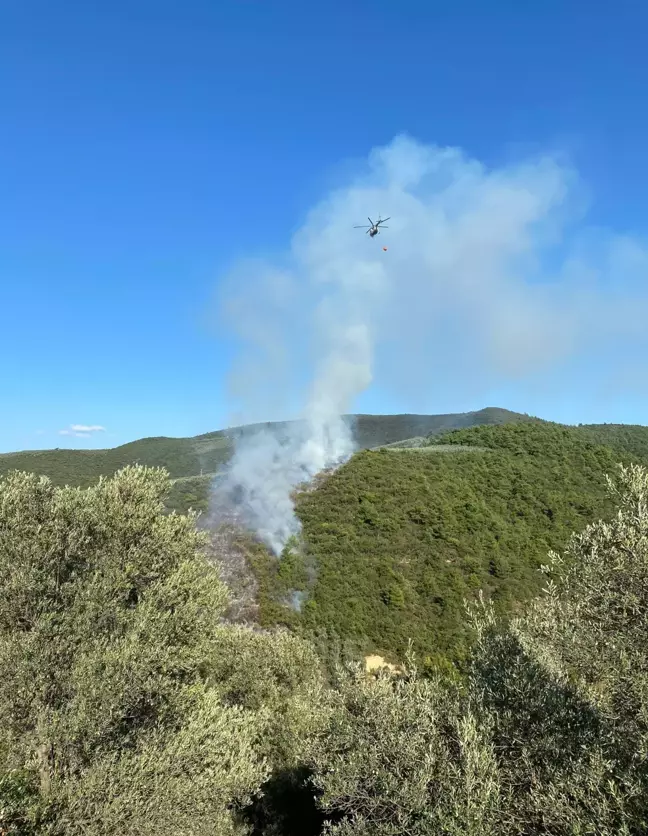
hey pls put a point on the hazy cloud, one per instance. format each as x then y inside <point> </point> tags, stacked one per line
<point>82,430</point>
<point>85,428</point>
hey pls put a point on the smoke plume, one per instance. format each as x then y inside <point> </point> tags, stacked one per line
<point>490,276</point>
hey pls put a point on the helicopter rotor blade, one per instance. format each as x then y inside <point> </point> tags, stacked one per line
<point>371,222</point>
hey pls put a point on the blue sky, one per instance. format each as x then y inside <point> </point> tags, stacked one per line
<point>146,147</point>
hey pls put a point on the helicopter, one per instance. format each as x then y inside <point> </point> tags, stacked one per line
<point>373,229</point>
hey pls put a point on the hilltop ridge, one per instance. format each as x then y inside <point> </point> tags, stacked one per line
<point>206,453</point>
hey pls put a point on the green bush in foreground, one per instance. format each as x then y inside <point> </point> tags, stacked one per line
<point>125,704</point>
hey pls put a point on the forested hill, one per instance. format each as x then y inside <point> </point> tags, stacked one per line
<point>375,430</point>
<point>626,438</point>
<point>188,457</point>
<point>400,537</point>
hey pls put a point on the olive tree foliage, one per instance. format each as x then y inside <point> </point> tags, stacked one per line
<point>567,684</point>
<point>548,735</point>
<point>188,782</point>
<point>109,621</point>
<point>279,676</point>
<point>403,756</point>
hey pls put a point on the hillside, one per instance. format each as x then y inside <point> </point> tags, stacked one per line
<point>376,430</point>
<point>189,457</point>
<point>399,538</point>
<point>626,438</point>
<point>180,456</point>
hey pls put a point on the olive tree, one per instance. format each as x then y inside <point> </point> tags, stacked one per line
<point>567,683</point>
<point>110,618</point>
<point>404,755</point>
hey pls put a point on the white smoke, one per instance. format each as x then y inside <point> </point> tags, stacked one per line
<point>268,464</point>
<point>266,467</point>
<point>489,276</point>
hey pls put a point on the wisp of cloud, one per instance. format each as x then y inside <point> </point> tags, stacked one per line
<point>489,276</point>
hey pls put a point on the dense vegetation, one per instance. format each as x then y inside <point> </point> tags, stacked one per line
<point>127,705</point>
<point>190,492</point>
<point>375,430</point>
<point>626,438</point>
<point>396,539</point>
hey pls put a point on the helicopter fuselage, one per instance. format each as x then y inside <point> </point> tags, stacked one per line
<point>373,231</point>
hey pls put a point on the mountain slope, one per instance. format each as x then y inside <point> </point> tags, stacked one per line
<point>376,430</point>
<point>185,457</point>
<point>399,539</point>
<point>181,457</point>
